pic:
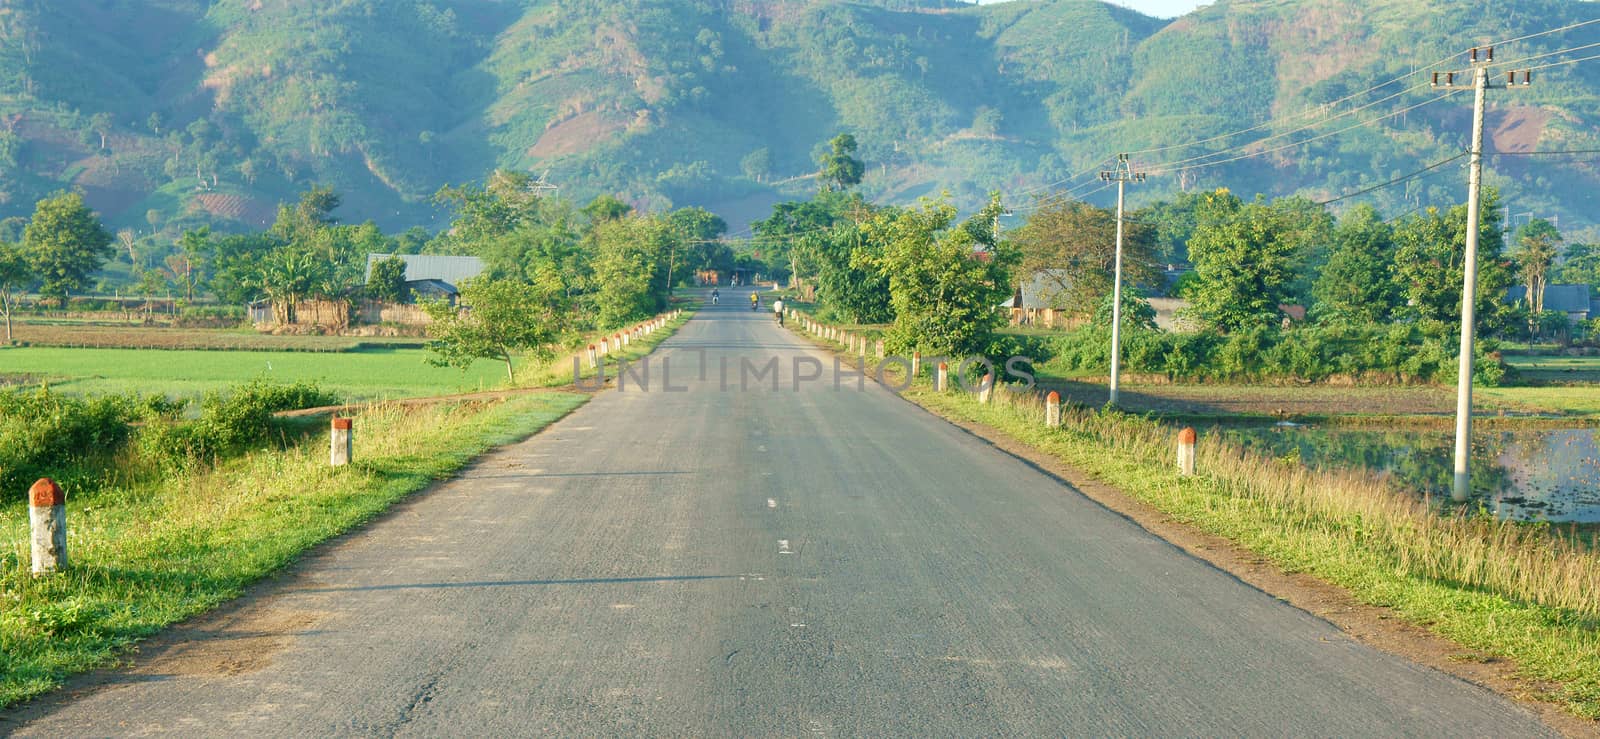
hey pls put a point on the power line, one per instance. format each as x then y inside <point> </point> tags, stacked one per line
<point>1301,114</point>
<point>1394,181</point>
<point>1558,152</point>
<point>1569,27</point>
<point>1291,132</point>
<point>1548,53</point>
<point>1318,137</point>
<point>1563,62</point>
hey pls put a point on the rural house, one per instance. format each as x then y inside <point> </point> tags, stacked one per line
<point>433,276</point>
<point>1573,300</point>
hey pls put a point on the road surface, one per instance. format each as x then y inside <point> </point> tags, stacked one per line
<point>805,562</point>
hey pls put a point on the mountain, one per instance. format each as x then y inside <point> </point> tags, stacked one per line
<point>170,113</point>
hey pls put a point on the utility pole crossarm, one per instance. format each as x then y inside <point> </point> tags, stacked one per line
<point>1481,59</point>
<point>1122,175</point>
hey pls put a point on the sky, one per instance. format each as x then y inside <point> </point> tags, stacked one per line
<point>1157,8</point>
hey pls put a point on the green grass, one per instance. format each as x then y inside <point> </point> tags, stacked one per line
<point>149,554</point>
<point>362,375</point>
<point>1573,400</point>
<point>1517,591</point>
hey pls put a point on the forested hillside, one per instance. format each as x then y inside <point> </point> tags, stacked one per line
<point>172,113</point>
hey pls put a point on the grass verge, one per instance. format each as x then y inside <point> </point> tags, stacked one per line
<point>1522,592</point>
<point>150,554</point>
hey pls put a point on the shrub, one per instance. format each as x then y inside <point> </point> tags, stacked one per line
<point>229,424</point>
<point>45,434</point>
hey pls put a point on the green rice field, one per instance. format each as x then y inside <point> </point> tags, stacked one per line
<point>368,374</point>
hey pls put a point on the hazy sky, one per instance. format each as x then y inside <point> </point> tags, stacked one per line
<point>1157,8</point>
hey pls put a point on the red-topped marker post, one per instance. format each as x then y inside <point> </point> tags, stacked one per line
<point>341,442</point>
<point>47,518</point>
<point>1186,440</point>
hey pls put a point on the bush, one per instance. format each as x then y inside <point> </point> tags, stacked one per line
<point>45,434</point>
<point>229,424</point>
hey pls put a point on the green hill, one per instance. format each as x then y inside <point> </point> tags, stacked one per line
<point>214,110</point>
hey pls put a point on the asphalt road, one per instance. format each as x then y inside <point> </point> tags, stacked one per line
<point>795,562</point>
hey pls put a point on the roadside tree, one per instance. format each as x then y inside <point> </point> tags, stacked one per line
<point>497,319</point>
<point>946,279</point>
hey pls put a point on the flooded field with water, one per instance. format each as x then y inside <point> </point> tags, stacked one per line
<point>1529,474</point>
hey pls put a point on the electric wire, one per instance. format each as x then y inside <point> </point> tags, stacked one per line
<point>1394,181</point>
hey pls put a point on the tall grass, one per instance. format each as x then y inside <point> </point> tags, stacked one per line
<point>1525,591</point>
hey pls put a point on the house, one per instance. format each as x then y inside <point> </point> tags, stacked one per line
<point>1034,304</point>
<point>1034,301</point>
<point>433,276</point>
<point>1573,300</point>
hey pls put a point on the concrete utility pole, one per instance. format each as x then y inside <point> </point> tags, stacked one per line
<point>1481,60</point>
<point>1122,175</point>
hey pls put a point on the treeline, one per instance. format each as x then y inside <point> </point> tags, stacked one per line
<point>1380,299</point>
<point>1278,288</point>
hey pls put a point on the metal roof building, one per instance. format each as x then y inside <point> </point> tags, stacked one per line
<point>1573,300</point>
<point>434,268</point>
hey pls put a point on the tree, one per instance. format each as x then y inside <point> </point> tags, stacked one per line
<point>1355,286</point>
<point>840,169</point>
<point>1429,266</point>
<point>496,319</point>
<point>100,123</point>
<point>151,284</point>
<point>388,280</point>
<point>697,230</point>
<point>986,121</point>
<point>1071,246</point>
<point>1538,245</point>
<point>1249,257</point>
<point>1581,266</point>
<point>631,262</point>
<point>946,280</point>
<point>65,243</point>
<point>14,278</point>
<point>286,276</point>
<point>757,165</point>
<point>606,208</point>
<point>1243,255</point>
<point>194,245</point>
<point>507,202</point>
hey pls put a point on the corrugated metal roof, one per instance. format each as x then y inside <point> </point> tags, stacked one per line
<point>1563,298</point>
<point>419,267</point>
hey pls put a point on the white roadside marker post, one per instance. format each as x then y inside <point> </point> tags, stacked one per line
<point>47,519</point>
<point>1186,439</point>
<point>341,442</point>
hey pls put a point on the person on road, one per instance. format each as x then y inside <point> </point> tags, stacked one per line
<point>714,296</point>
<point>755,301</point>
<point>777,307</point>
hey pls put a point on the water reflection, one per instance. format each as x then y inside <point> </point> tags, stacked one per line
<point>1540,474</point>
